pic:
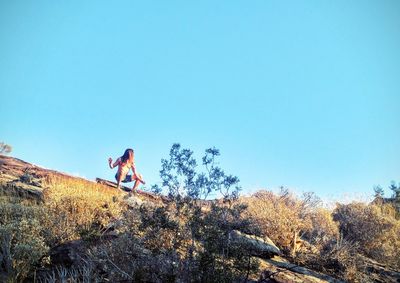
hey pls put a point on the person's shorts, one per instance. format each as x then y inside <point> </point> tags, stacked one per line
<point>128,178</point>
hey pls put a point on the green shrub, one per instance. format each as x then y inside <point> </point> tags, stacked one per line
<point>22,242</point>
<point>201,232</point>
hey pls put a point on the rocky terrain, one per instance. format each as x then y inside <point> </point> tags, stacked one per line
<point>26,181</point>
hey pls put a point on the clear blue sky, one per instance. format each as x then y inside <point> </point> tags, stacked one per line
<point>304,94</point>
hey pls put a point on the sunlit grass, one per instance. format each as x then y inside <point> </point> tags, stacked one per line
<point>78,206</point>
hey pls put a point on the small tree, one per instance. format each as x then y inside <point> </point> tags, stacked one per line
<point>378,192</point>
<point>203,227</point>
<point>396,190</point>
<point>5,148</point>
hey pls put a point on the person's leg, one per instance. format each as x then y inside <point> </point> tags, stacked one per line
<point>118,177</point>
<point>128,179</point>
<point>123,179</point>
<point>140,178</point>
<point>137,182</point>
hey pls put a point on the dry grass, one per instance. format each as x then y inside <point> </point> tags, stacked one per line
<point>154,238</point>
<point>71,209</point>
<point>78,207</point>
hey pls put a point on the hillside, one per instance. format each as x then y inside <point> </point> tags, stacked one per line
<point>60,228</point>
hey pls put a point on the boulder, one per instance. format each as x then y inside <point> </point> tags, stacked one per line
<point>146,195</point>
<point>278,270</point>
<point>378,272</point>
<point>134,201</point>
<point>256,246</point>
<point>67,254</point>
<point>20,189</point>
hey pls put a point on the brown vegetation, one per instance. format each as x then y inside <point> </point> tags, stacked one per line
<point>339,242</point>
<point>79,231</point>
<point>78,208</point>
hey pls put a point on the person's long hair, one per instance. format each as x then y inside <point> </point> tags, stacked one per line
<point>127,154</point>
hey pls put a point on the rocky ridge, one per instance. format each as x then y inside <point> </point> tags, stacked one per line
<point>25,180</point>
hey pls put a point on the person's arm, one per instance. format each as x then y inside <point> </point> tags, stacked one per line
<point>116,163</point>
<point>133,167</point>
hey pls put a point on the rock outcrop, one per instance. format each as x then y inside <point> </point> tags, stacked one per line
<point>23,179</point>
<point>19,178</point>
<point>258,247</point>
<point>279,270</point>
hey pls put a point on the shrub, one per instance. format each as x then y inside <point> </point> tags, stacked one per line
<point>338,258</point>
<point>22,242</point>
<point>282,217</point>
<point>373,228</point>
<point>200,231</point>
<point>126,260</point>
<point>323,228</point>
<point>5,148</point>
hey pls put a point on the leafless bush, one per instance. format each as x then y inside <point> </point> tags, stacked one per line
<point>374,228</point>
<point>285,218</point>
